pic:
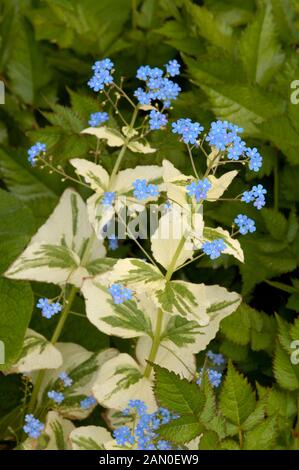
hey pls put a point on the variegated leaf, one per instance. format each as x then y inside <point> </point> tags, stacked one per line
<point>113,137</point>
<point>233,246</point>
<point>82,367</point>
<point>62,247</point>
<point>37,353</point>
<point>139,147</point>
<point>89,438</point>
<point>219,185</point>
<point>121,379</point>
<point>94,175</point>
<point>57,432</point>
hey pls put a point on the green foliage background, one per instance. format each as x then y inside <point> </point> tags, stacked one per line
<point>239,59</point>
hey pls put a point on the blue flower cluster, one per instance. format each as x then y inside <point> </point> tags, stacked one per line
<point>33,426</point>
<point>113,242</point>
<point>120,293</point>
<point>102,74</point>
<point>199,189</point>
<point>35,151</point>
<point>88,402</point>
<point>173,68</point>
<point>98,118</point>
<point>157,120</point>
<point>143,190</point>
<point>217,359</point>
<point>48,308</point>
<point>57,397</point>
<point>187,129</point>
<point>67,381</point>
<point>214,376</point>
<point>255,159</point>
<point>214,248</point>
<point>108,198</point>
<point>158,87</point>
<point>255,195</point>
<point>144,435</point>
<point>224,136</point>
<point>245,224</point>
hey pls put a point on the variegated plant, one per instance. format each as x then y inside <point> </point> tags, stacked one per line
<point>146,299</point>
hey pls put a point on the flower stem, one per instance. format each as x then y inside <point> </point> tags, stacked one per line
<point>158,330</point>
<point>54,339</point>
<point>124,147</point>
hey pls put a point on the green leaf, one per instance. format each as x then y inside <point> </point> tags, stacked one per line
<point>276,223</point>
<point>181,331</point>
<point>286,374</point>
<point>16,299</point>
<point>259,49</point>
<point>284,15</point>
<point>177,394</point>
<point>209,441</point>
<point>27,69</point>
<point>246,105</point>
<point>262,437</point>
<point>237,399</point>
<point>217,33</point>
<point>181,430</point>
<point>17,226</point>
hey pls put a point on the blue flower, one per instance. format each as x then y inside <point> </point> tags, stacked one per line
<point>157,120</point>
<point>157,87</point>
<point>214,376</point>
<point>57,397</point>
<point>35,151</point>
<point>237,149</point>
<point>120,293</point>
<point>187,129</point>
<point>33,426</point>
<point>214,248</point>
<point>142,96</point>
<point>255,159</point>
<point>222,134</point>
<point>98,118</point>
<point>123,436</point>
<point>48,308</point>
<point>173,68</point>
<point>88,402</point>
<point>199,189</point>
<point>113,243</point>
<point>108,198</point>
<point>143,190</point>
<point>217,359</point>
<point>255,195</point>
<point>67,381</point>
<point>163,445</point>
<point>245,224</point>
<point>102,74</point>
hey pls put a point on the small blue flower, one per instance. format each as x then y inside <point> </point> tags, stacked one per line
<point>33,426</point>
<point>98,118</point>
<point>222,134</point>
<point>143,190</point>
<point>255,195</point>
<point>143,72</point>
<point>187,129</point>
<point>123,436</point>
<point>88,402</point>
<point>108,198</point>
<point>163,445</point>
<point>173,68</point>
<point>214,376</point>
<point>255,159</point>
<point>217,359</point>
<point>48,308</point>
<point>67,381</point>
<point>214,248</point>
<point>120,293</point>
<point>35,151</point>
<point>142,96</point>
<point>237,149</point>
<point>157,87</point>
<point>113,243</point>
<point>157,120</point>
<point>57,397</point>
<point>245,224</point>
<point>199,189</point>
